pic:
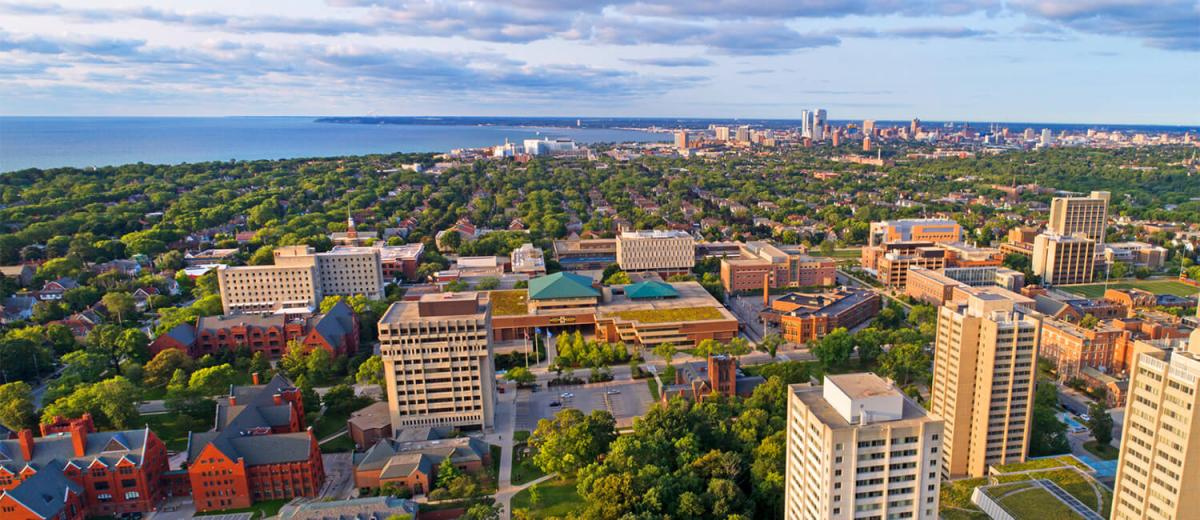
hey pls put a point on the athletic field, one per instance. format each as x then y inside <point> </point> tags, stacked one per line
<point>1096,290</point>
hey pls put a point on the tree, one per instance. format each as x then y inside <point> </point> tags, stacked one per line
<point>483,511</point>
<point>171,260</point>
<point>1089,321</point>
<point>260,364</point>
<point>488,283</point>
<point>571,440</point>
<point>120,304</point>
<point>1118,270</point>
<point>1100,422</point>
<point>1047,434</point>
<point>295,360</point>
<point>16,406</point>
<point>23,359</point>
<point>446,473</point>
<point>212,380</point>
<point>164,364</point>
<point>770,344</point>
<point>665,351</point>
<point>340,400</point>
<point>905,363</point>
<point>370,372</point>
<point>116,343</point>
<point>618,278</point>
<point>112,402</point>
<point>320,365</point>
<point>520,375</point>
<point>834,349</point>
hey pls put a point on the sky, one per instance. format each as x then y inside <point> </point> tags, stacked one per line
<point>1069,61</point>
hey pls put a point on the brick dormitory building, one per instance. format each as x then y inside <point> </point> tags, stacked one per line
<point>73,471</point>
<point>259,450</point>
<point>336,331</point>
<point>802,317</point>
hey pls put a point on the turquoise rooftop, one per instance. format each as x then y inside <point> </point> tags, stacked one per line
<point>561,285</point>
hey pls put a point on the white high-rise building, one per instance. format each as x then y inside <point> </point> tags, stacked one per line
<point>805,123</point>
<point>859,448</point>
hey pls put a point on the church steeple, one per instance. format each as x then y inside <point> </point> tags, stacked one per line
<point>350,231</point>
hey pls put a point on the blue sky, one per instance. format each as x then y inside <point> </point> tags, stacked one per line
<point>1105,61</point>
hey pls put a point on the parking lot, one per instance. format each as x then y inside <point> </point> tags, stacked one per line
<point>625,400</point>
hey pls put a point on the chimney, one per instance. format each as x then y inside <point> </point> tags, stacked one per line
<point>766,290</point>
<point>79,438</point>
<point>254,378</point>
<point>25,438</point>
<point>233,400</point>
<point>278,399</point>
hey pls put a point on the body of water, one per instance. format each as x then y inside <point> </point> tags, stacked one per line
<point>50,142</point>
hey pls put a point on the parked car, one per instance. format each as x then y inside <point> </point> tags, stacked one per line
<point>555,403</point>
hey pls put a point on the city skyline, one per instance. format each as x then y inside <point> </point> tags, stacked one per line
<point>982,61</point>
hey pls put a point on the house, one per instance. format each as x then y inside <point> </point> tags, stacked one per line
<point>16,308</point>
<point>81,323</point>
<point>259,450</point>
<point>124,267</point>
<point>411,459</point>
<point>113,472</point>
<point>54,289</point>
<point>23,274</point>
<point>141,297</point>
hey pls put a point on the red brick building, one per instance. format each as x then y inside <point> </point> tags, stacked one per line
<point>411,459</point>
<point>260,450</point>
<point>44,495</point>
<point>111,472</point>
<point>336,331</point>
<point>804,317</point>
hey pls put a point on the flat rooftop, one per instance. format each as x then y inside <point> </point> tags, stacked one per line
<point>411,310</point>
<point>658,233</point>
<point>860,386</point>
<point>813,397</point>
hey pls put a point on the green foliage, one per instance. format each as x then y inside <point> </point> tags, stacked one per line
<point>16,406</point>
<point>370,372</point>
<point>112,403</point>
<point>905,364</point>
<point>520,375</point>
<point>1047,435</point>
<point>571,440</point>
<point>213,380</point>
<point>573,351</point>
<point>618,278</point>
<point>164,364</point>
<point>1100,422</point>
<point>834,349</point>
<point>341,401</point>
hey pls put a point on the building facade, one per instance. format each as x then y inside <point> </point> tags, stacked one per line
<point>1062,259</point>
<point>666,252</point>
<point>858,448</point>
<point>437,360</point>
<point>1157,468</point>
<point>1073,348</point>
<point>1084,215</point>
<point>914,230</point>
<point>806,317</point>
<point>300,278</point>
<point>337,331</point>
<point>985,363</point>
<point>778,266</point>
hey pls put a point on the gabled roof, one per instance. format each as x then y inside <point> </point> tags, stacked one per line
<point>650,289</point>
<point>241,427</point>
<point>44,493</point>
<point>561,285</point>
<point>105,448</point>
<point>335,324</point>
<point>184,333</point>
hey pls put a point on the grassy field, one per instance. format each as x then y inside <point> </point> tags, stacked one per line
<point>1096,290</point>
<point>557,498</point>
<point>173,428</point>
<point>653,384</point>
<point>264,509</point>
<point>842,254</point>
<point>1027,501</point>
<point>509,303</point>
<point>1046,463</point>
<point>668,315</point>
<point>340,444</point>
<point>329,424</point>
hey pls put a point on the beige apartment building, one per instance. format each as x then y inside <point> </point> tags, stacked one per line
<point>857,447</point>
<point>437,361</point>
<point>1062,259</point>
<point>1086,215</point>
<point>666,252</point>
<point>984,371</point>
<point>1158,468</point>
<point>299,279</point>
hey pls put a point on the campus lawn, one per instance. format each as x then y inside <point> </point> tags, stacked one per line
<point>173,428</point>
<point>328,424</point>
<point>653,384</point>
<point>1096,290</point>
<point>558,498</point>
<point>524,470</point>
<point>850,253</point>
<point>264,509</point>
<point>339,444</point>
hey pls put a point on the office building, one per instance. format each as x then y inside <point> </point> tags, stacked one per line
<point>586,254</point>
<point>663,252</point>
<point>806,317</point>
<point>857,447</point>
<point>743,134</point>
<point>985,363</point>
<point>914,128</point>
<point>547,146</point>
<point>892,266</point>
<point>1073,348</point>
<point>300,279</point>
<point>777,265</point>
<point>914,230</point>
<point>1075,215</point>
<point>437,361</point>
<point>937,287</point>
<point>681,139</point>
<point>805,123</point>
<point>1061,259</point>
<point>1157,469</point>
<point>868,127</point>
<point>400,261</point>
<point>1136,254</point>
<point>722,133</point>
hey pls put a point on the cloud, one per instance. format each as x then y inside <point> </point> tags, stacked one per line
<point>693,61</point>
<point>734,38</point>
<point>1163,24</point>
<point>783,9</point>
<point>917,33</point>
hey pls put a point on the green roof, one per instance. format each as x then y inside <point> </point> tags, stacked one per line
<point>650,289</point>
<point>561,285</point>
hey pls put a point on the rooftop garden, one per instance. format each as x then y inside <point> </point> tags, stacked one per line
<point>1027,500</point>
<point>509,303</point>
<point>669,315</point>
